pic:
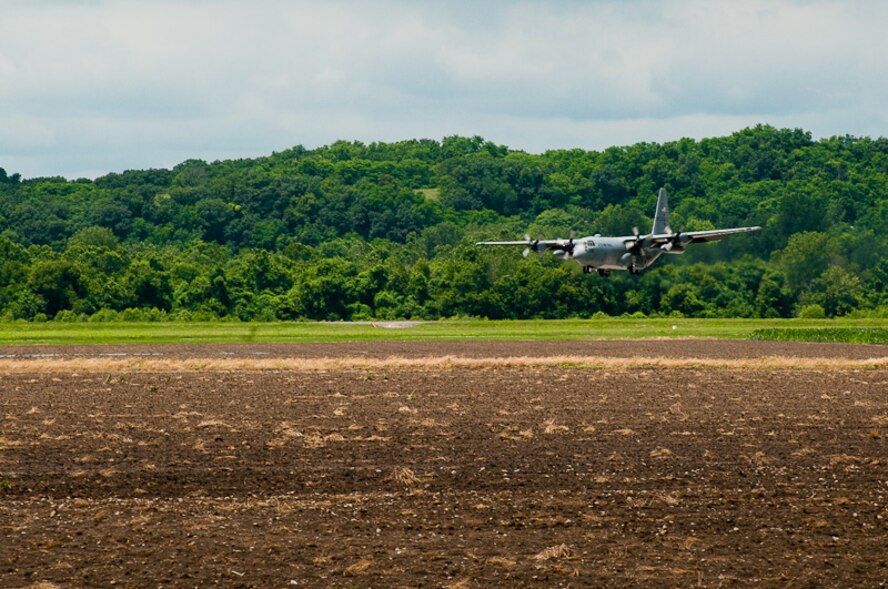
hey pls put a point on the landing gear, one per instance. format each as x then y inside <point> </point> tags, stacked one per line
<point>634,270</point>
<point>588,269</point>
<point>603,272</point>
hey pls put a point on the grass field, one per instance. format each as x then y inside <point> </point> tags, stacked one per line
<point>850,335</point>
<point>570,329</point>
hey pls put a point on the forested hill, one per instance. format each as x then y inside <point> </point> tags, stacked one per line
<point>354,231</point>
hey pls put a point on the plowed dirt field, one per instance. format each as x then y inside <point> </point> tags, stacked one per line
<point>445,476</point>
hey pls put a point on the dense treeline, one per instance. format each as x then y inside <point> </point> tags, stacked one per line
<point>353,231</point>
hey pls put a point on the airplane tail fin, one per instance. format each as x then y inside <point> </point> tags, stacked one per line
<point>661,216</point>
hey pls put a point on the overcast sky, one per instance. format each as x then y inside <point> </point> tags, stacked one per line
<point>95,86</point>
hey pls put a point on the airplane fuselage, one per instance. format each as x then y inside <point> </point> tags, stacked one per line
<point>610,253</point>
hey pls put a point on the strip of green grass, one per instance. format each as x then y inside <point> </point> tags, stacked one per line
<point>466,330</point>
<point>849,335</point>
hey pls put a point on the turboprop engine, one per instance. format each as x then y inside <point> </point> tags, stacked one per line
<point>676,243</point>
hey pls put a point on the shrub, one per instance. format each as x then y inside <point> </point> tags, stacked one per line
<point>68,316</point>
<point>812,312</point>
<point>104,315</point>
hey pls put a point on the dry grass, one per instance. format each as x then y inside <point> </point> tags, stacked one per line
<point>758,458</point>
<point>214,423</point>
<point>669,500</point>
<point>501,561</point>
<point>141,364</point>
<point>661,453</point>
<point>550,427</point>
<point>554,552</point>
<point>404,476</point>
<point>843,459</point>
<point>314,440</point>
<point>7,443</point>
<point>358,568</point>
<point>515,435</point>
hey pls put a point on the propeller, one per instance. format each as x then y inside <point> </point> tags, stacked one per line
<point>569,246</point>
<point>634,245</point>
<point>532,245</point>
<point>566,248</point>
<point>676,241</point>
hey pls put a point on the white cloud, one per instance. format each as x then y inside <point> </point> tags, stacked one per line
<point>95,86</point>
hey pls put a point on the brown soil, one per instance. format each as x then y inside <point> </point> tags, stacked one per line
<point>673,348</point>
<point>518,476</point>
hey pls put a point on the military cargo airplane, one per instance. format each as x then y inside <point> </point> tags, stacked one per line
<point>632,253</point>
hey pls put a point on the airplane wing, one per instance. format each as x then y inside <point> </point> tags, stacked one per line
<point>686,237</point>
<point>526,243</point>
<point>537,245</point>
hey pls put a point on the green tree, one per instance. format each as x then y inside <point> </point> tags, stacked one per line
<point>619,220</point>
<point>805,257</point>
<point>771,299</point>
<point>101,237</point>
<point>836,290</point>
<point>685,299</point>
<point>149,286</point>
<point>214,215</point>
<point>58,283</point>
